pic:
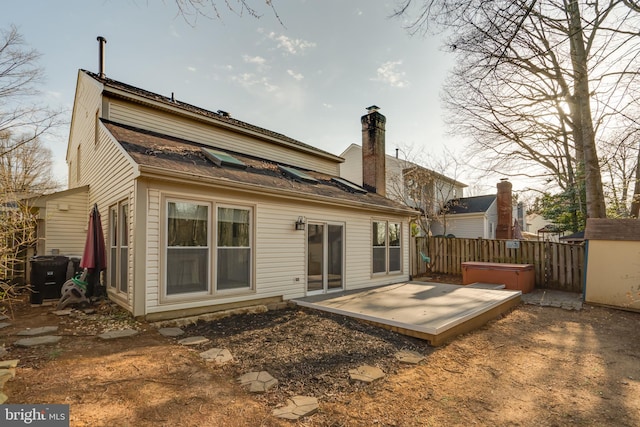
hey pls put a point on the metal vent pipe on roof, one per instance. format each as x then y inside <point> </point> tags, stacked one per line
<point>102,41</point>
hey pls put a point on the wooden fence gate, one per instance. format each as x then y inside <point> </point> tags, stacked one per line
<point>557,265</point>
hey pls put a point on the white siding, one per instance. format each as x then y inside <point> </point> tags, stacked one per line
<point>104,166</point>
<point>491,221</point>
<point>192,130</point>
<point>351,169</point>
<point>279,250</point>
<point>66,219</point>
<point>470,226</point>
<point>82,132</point>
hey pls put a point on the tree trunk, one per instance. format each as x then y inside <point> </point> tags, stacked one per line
<point>585,136</point>
<point>635,202</point>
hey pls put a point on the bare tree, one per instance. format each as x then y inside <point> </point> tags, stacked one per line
<point>191,10</point>
<point>429,185</point>
<point>21,112</point>
<point>619,159</point>
<point>537,83</point>
<point>17,234</point>
<point>25,165</point>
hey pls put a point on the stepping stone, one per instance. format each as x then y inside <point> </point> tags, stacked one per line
<point>3,397</point>
<point>89,311</point>
<point>170,332</point>
<point>4,324</point>
<point>258,382</point>
<point>193,340</point>
<point>7,364</point>
<point>3,352</point>
<point>6,375</point>
<point>217,355</point>
<point>408,356</point>
<point>38,331</point>
<point>123,333</point>
<point>62,312</point>
<point>4,317</point>
<point>366,373</point>
<point>297,407</point>
<point>43,340</point>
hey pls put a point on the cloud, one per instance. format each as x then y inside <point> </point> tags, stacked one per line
<point>327,106</point>
<point>252,82</point>
<point>291,46</point>
<point>389,74</point>
<point>254,59</point>
<point>192,69</point>
<point>258,61</point>
<point>296,76</point>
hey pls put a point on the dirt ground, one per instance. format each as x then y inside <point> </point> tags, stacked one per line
<point>535,366</point>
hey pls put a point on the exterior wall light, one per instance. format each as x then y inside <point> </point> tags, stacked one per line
<point>300,223</point>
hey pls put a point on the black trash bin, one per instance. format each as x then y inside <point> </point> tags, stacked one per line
<point>48,274</point>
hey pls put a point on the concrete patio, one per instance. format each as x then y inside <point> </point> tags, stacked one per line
<point>435,312</point>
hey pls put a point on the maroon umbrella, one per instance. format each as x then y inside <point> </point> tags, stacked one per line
<point>94,257</point>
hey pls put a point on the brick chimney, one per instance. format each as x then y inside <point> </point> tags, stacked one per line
<point>373,156</point>
<point>504,202</point>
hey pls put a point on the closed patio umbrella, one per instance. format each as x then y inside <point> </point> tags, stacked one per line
<point>94,257</point>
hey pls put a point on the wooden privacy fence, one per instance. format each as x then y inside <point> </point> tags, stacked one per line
<point>557,265</point>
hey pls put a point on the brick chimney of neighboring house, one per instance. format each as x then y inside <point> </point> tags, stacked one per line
<point>504,202</point>
<point>373,155</point>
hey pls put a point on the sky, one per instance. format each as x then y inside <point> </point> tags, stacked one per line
<point>310,76</point>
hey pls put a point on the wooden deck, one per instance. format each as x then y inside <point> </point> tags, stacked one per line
<point>435,312</point>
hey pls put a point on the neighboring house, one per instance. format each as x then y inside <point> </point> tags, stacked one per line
<point>406,182</point>
<point>542,229</point>
<point>203,212</point>
<point>61,221</point>
<point>493,216</point>
<point>468,217</point>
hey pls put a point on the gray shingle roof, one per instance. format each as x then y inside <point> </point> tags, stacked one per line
<point>167,153</point>
<point>220,115</point>
<point>465,205</point>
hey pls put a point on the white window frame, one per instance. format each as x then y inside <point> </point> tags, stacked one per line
<point>212,242</point>
<point>251,248</point>
<point>116,228</point>
<point>165,249</point>
<point>387,247</point>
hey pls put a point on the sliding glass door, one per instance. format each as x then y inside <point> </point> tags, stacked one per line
<point>325,257</point>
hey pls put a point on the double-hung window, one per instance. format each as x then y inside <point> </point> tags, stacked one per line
<point>233,248</point>
<point>386,240</point>
<point>119,247</point>
<point>187,256</point>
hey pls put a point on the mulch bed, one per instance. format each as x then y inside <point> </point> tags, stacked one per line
<point>309,352</point>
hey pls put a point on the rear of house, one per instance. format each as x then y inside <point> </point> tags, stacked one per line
<point>468,217</point>
<point>204,212</point>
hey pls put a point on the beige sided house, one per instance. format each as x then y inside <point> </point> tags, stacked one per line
<point>203,212</point>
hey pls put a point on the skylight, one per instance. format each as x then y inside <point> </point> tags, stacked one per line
<point>221,158</point>
<point>349,186</point>
<point>296,174</point>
